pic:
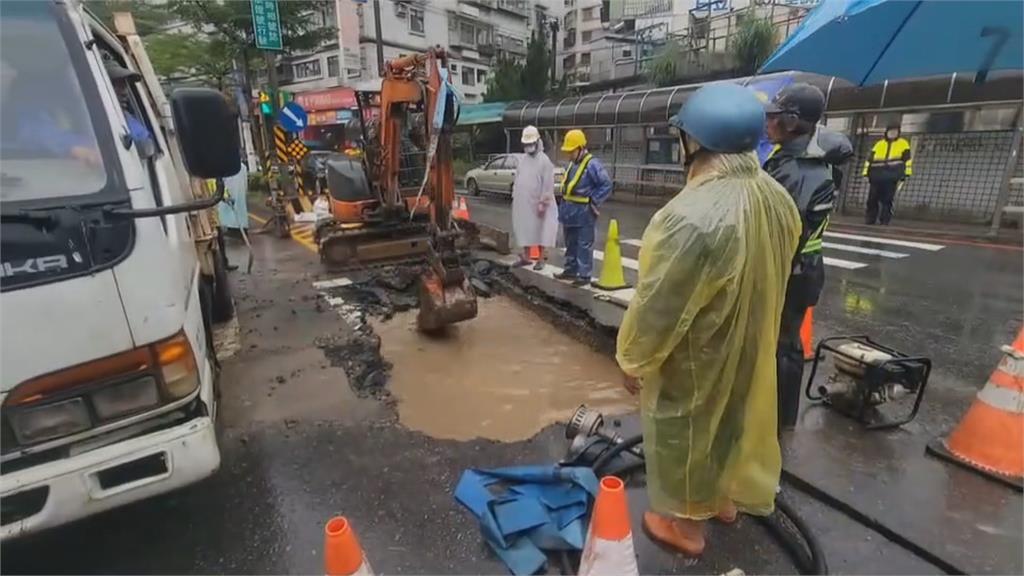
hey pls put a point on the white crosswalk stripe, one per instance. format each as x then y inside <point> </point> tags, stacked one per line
<point>840,263</point>
<point>891,241</point>
<point>862,250</point>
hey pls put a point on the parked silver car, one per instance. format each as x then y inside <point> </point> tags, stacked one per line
<point>499,174</point>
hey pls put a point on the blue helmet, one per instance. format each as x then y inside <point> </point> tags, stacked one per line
<point>725,118</point>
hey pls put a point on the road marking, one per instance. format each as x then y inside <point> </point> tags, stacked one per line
<point>301,234</point>
<point>840,263</point>
<point>626,262</point>
<point>862,250</point>
<point>893,241</point>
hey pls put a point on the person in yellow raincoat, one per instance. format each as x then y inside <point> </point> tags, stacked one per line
<point>698,339</point>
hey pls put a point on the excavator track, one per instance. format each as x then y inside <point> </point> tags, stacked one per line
<point>344,250</point>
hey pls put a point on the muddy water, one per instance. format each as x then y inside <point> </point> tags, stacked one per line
<point>504,375</point>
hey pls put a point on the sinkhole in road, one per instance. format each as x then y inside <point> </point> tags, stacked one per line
<point>504,375</point>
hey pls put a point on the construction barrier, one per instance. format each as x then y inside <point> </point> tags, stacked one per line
<point>609,546</point>
<point>612,275</point>
<point>990,436</point>
<point>343,556</point>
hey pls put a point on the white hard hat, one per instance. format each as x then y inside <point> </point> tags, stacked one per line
<point>530,135</point>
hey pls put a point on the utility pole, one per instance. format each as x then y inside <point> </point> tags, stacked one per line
<point>553,23</point>
<point>268,122</point>
<point>380,39</point>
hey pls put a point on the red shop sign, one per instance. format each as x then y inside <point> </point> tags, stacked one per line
<point>333,99</point>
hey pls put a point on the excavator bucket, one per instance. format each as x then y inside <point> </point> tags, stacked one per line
<point>441,303</point>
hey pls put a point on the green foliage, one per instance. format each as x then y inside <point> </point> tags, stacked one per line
<point>191,57</point>
<point>514,80</point>
<point>663,71</point>
<point>753,44</point>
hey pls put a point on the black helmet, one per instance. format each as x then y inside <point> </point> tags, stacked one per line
<point>802,100</point>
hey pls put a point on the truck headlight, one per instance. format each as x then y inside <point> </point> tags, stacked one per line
<point>177,366</point>
<point>49,421</point>
<point>125,398</point>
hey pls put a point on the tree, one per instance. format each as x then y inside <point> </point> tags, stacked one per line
<point>511,79</point>
<point>505,82</point>
<point>663,71</point>
<point>191,57</point>
<point>754,43</point>
<point>535,71</point>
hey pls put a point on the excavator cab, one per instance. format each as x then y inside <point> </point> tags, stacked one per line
<point>392,204</point>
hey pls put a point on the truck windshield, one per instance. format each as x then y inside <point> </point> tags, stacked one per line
<point>48,145</point>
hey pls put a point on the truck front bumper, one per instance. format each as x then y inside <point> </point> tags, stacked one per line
<point>58,492</point>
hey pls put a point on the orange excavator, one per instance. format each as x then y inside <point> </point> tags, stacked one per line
<point>393,204</point>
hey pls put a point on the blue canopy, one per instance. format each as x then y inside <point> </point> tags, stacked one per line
<point>870,41</point>
<point>487,113</point>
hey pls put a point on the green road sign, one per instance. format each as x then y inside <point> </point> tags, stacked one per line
<point>266,23</point>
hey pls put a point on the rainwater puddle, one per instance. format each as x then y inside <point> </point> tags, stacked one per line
<point>504,375</point>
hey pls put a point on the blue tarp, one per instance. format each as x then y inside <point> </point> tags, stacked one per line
<point>525,510</point>
<point>489,113</point>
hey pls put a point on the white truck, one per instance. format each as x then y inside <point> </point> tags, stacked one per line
<point>109,269</point>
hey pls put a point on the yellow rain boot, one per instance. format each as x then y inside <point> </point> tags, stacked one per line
<point>612,275</point>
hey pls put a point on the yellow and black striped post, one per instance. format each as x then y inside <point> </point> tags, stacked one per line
<point>281,144</point>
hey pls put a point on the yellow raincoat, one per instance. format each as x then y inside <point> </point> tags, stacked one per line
<point>701,335</point>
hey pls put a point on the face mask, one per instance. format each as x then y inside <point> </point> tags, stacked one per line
<point>530,149</point>
<point>892,134</point>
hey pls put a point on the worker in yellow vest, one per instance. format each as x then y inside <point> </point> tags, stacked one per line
<point>585,187</point>
<point>887,167</point>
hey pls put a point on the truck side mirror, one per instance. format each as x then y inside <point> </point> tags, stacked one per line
<point>207,132</point>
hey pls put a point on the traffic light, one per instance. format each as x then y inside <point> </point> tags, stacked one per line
<point>265,108</point>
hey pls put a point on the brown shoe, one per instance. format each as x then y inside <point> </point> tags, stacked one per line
<point>676,534</point>
<point>727,513</point>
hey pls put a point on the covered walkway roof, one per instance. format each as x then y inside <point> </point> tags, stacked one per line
<point>655,107</point>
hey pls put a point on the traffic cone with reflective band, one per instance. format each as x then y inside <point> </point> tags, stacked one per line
<point>609,547</point>
<point>343,556</point>
<point>990,437</point>
<point>461,211</point>
<point>612,275</point>
<point>807,334</point>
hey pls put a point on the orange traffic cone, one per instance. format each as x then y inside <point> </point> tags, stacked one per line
<point>807,334</point>
<point>461,211</point>
<point>990,437</point>
<point>535,253</point>
<point>609,547</point>
<point>343,556</point>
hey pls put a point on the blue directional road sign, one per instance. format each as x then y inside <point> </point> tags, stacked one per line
<point>293,117</point>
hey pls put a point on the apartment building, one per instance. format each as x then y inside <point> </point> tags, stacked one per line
<point>475,32</point>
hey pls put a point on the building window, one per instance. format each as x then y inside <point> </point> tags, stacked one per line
<point>416,21</point>
<point>587,36</point>
<point>468,76</point>
<point>467,33</point>
<point>481,75</point>
<point>589,14</point>
<point>627,52</point>
<point>307,70</point>
<point>332,67</point>
<point>455,68</point>
<point>585,59</point>
<point>569,61</point>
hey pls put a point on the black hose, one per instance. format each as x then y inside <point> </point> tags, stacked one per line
<point>870,522</point>
<point>814,564</point>
<point>615,450</point>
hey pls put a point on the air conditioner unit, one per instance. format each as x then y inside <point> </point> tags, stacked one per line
<point>401,9</point>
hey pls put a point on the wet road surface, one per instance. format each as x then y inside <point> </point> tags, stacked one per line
<point>300,445</point>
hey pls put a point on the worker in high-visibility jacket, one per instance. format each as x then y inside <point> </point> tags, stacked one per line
<point>584,189</point>
<point>805,160</point>
<point>886,168</point>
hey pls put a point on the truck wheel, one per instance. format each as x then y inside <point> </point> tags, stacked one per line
<point>223,306</point>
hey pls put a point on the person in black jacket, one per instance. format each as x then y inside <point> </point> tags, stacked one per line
<point>806,160</point>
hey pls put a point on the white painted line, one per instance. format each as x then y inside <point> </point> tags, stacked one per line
<point>335,302</point>
<point>893,241</point>
<point>840,263</point>
<point>862,250</point>
<point>632,242</point>
<point>626,262</point>
<point>333,283</point>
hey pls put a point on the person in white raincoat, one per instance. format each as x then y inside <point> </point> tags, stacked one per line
<point>534,212</point>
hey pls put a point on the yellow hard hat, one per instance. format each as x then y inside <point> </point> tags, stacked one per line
<point>574,139</point>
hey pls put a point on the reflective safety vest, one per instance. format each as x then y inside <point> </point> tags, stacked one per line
<point>569,185</point>
<point>813,243</point>
<point>889,161</point>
